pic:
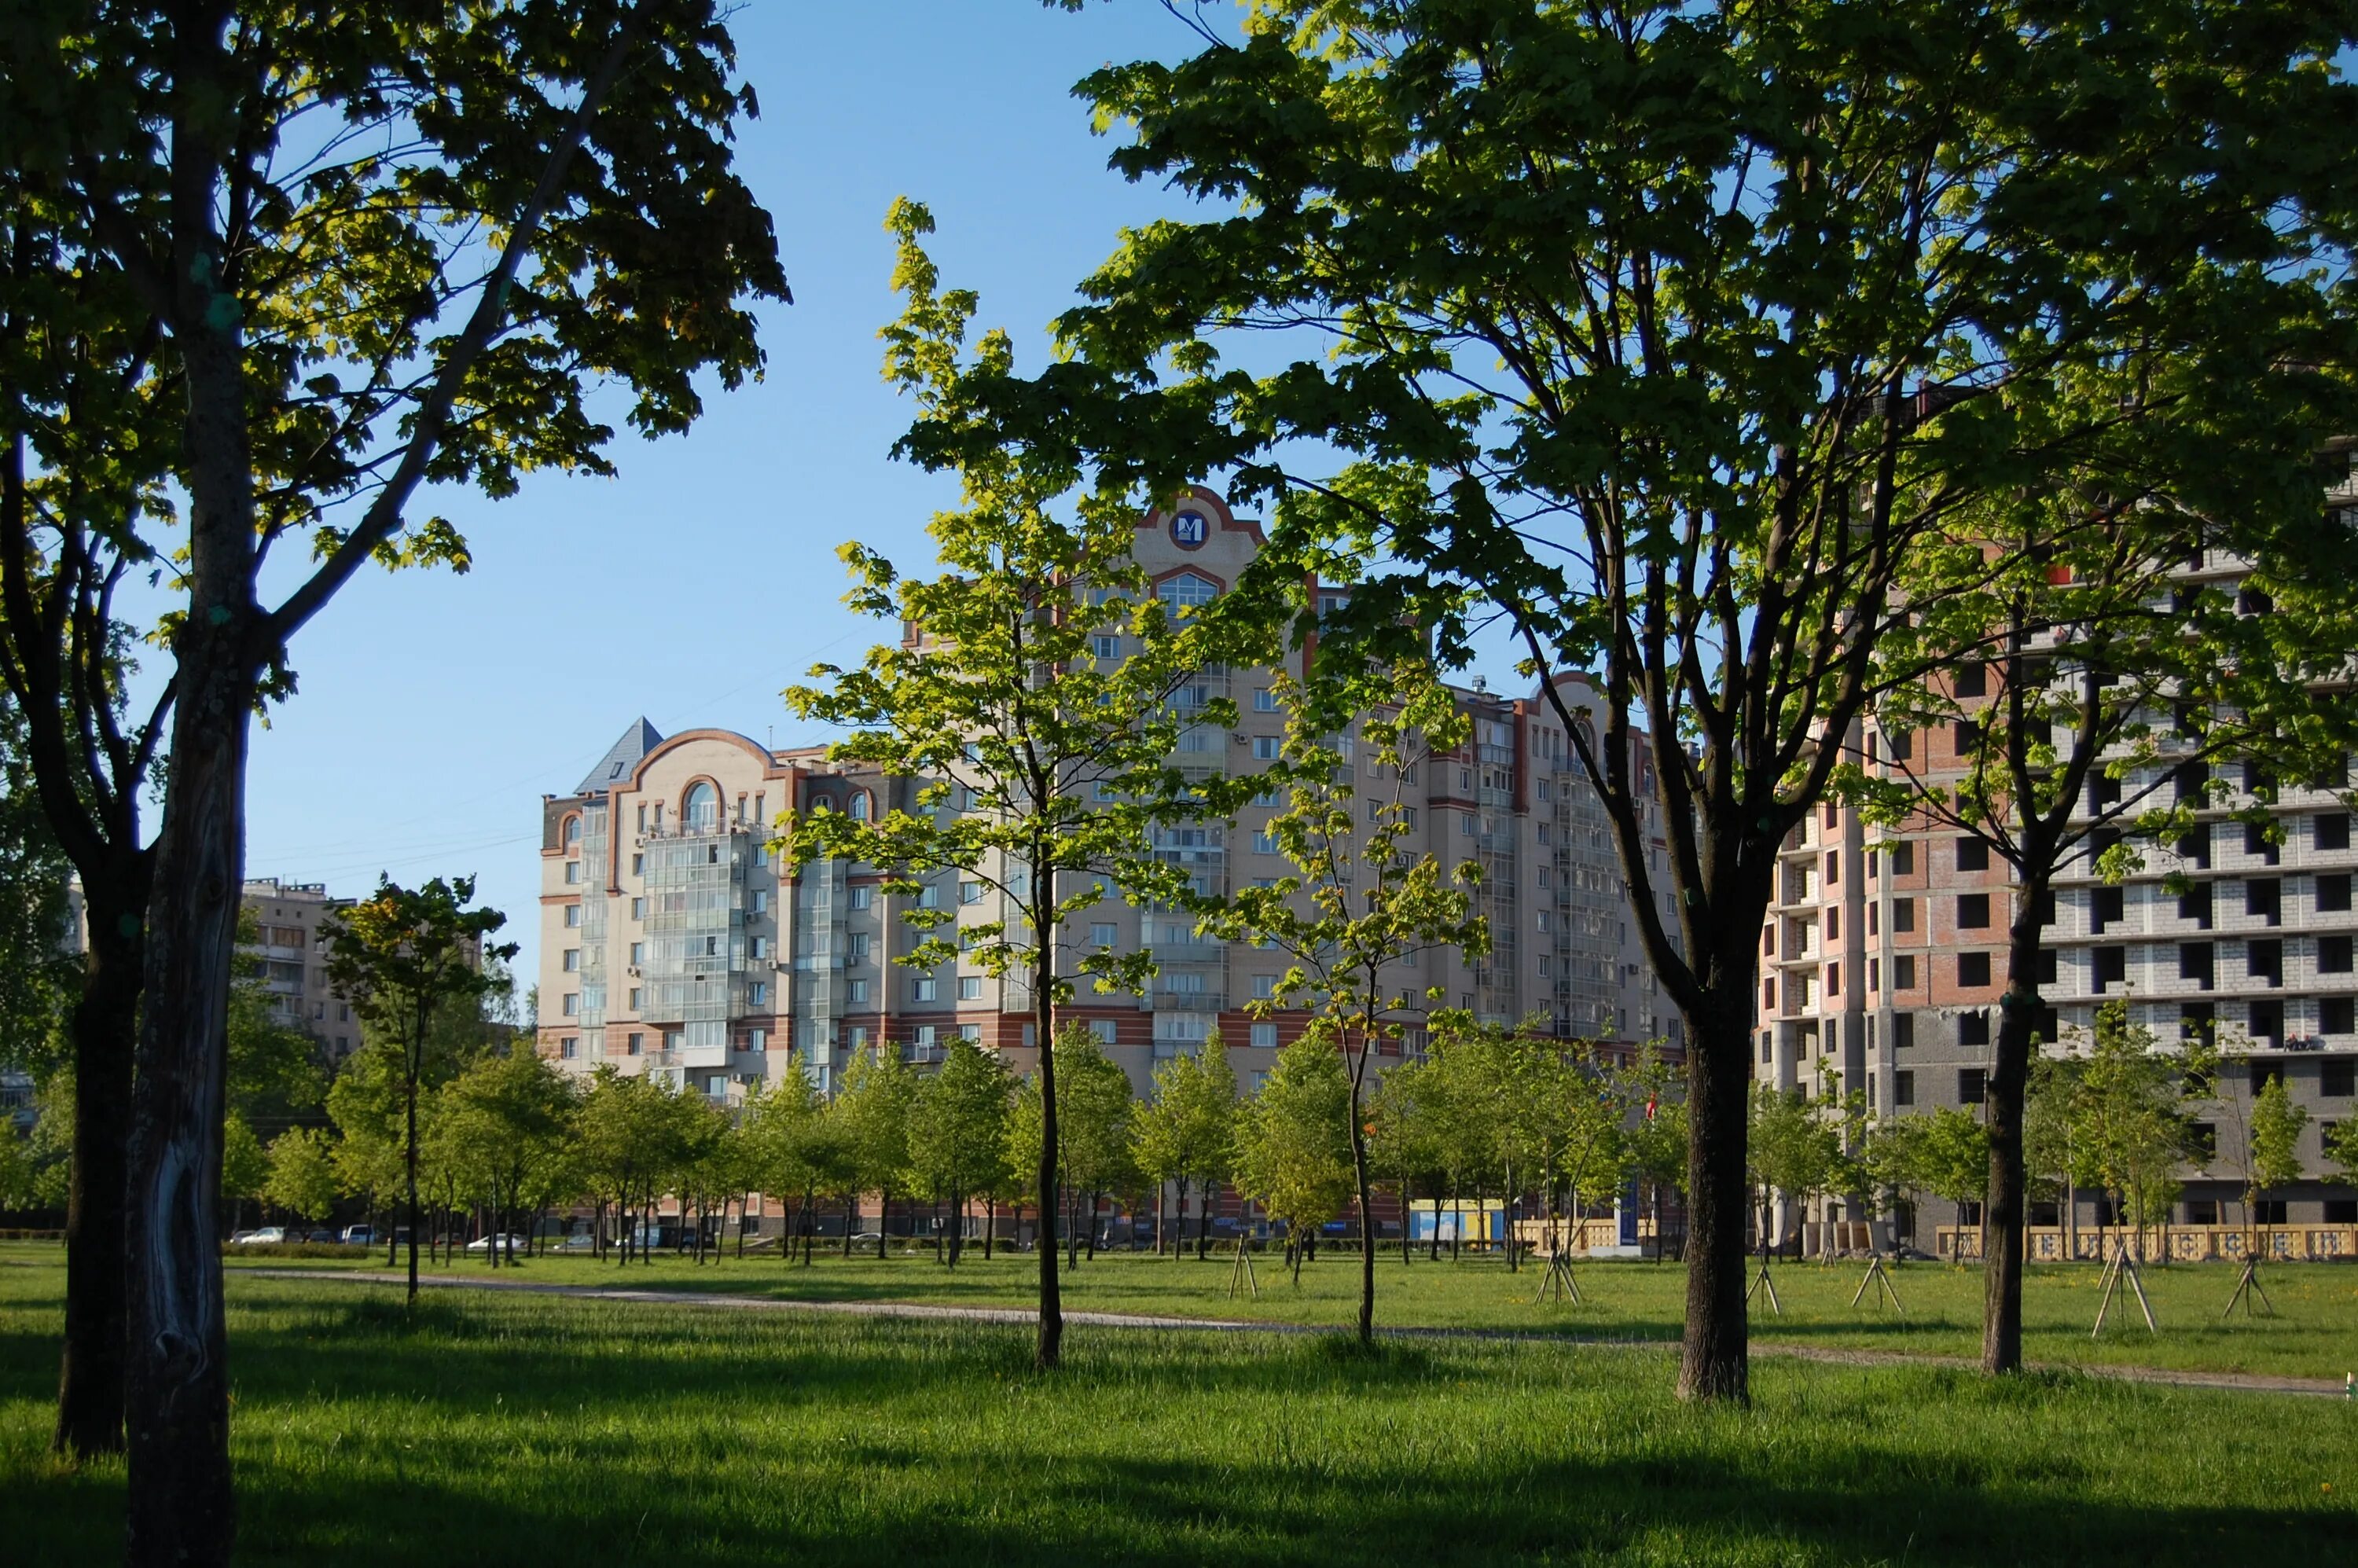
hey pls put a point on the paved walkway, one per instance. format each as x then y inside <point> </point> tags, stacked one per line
<point>2247,1382</point>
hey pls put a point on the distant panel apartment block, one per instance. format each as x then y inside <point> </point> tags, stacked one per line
<point>674,942</point>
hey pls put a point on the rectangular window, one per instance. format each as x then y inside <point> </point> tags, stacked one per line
<point>2112,967</point>
<point>929,896</point>
<point>2263,960</point>
<point>2106,907</point>
<point>1264,1036</point>
<point>757,994</point>
<point>2196,963</point>
<point>634,1044</point>
<point>1105,646</point>
<point>1903,914</point>
<point>1833,867</point>
<point>2264,899</point>
<point>921,988</point>
<point>638,909</point>
<point>855,990</point>
<point>1971,1086</point>
<point>1104,934</point>
<point>1265,748</point>
<point>572,917</point>
<point>572,872</point>
<point>854,945</point>
<point>1903,857</point>
<point>1264,844</point>
<point>2337,1076</point>
<point>970,987</point>
<point>1903,1089</point>
<point>1972,912</point>
<point>1973,1028</point>
<point>1874,983</point>
<point>1264,987</point>
<point>636,995</point>
<point>2333,830</point>
<point>2337,1015</point>
<point>757,946</point>
<point>1264,701</point>
<point>757,1040</point>
<point>2047,968</point>
<point>1973,855</point>
<point>1903,1031</point>
<point>2333,894</point>
<point>1973,969</point>
<point>570,1047</point>
<point>2196,905</point>
<point>863,895</point>
<point>1834,980</point>
<point>1104,1029</point>
<point>572,960</point>
<point>572,1008</point>
<point>1903,971</point>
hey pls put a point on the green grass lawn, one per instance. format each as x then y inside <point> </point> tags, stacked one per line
<point>517,1431</point>
<point>2313,1335</point>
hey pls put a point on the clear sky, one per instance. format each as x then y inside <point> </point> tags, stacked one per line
<point>435,710</point>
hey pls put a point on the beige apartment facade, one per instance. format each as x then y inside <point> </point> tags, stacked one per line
<point>674,941</point>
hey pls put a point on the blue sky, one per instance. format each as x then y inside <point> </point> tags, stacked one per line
<point>435,709</point>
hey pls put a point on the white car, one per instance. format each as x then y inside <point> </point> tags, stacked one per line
<point>268,1236</point>
<point>514,1244</point>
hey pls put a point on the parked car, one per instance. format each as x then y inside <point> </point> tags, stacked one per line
<point>268,1236</point>
<point>580,1241</point>
<point>360,1236</point>
<point>325,1237</point>
<point>514,1243</point>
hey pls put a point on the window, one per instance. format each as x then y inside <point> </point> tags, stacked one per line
<point>929,896</point>
<point>1265,748</point>
<point>1833,867</point>
<point>572,1008</point>
<point>2337,1076</point>
<point>1972,911</point>
<point>1834,980</point>
<point>970,987</point>
<point>634,1044</point>
<point>1903,1031</point>
<point>1971,680</point>
<point>2333,894</point>
<point>1105,646</point>
<point>1903,859</point>
<point>699,809</point>
<point>572,961</point>
<point>2196,963</point>
<point>572,917</point>
<point>855,990</point>
<point>2196,905</point>
<point>2264,899</point>
<point>757,994</point>
<point>760,902</point>
<point>1264,987</point>
<point>2112,967</point>
<point>1466,826</point>
<point>1264,1036</point>
<point>2047,969</point>
<point>1104,1029</point>
<point>1973,1028</point>
<point>757,946</point>
<point>2338,1016</point>
<point>1967,737</point>
<point>1973,969</point>
<point>1104,934</point>
<point>636,995</point>
<point>1264,843</point>
<point>1903,1089</point>
<point>1185,593</point>
<point>570,1047</point>
<point>1264,701</point>
<point>1903,972</point>
<point>1874,983</point>
<point>863,895</point>
<point>1188,983</point>
<point>2263,960</point>
<point>639,953</point>
<point>1973,855</point>
<point>2266,1073</point>
<point>921,988</point>
<point>1903,914</point>
<point>854,945</point>
<point>572,872</point>
<point>969,891</point>
<point>2106,906</point>
<point>1973,1083</point>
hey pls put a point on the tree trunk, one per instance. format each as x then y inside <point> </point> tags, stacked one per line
<point>1207,1190</point>
<point>1365,1191</point>
<point>181,1508</point>
<point>409,1150</point>
<point>2009,1080</point>
<point>1714,1355</point>
<point>1049,1350</point>
<point>883,1218</point>
<point>106,1028</point>
<point>990,1223</point>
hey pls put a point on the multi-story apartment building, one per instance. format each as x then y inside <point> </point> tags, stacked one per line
<point>291,956</point>
<point>674,941</point>
<point>1884,957</point>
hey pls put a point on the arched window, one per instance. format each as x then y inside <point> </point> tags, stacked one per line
<point>700,811</point>
<point>573,833</point>
<point>859,805</point>
<point>1185,593</point>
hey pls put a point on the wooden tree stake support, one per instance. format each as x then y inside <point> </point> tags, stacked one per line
<point>1558,1278</point>
<point>1761,1281</point>
<point>1880,1278</point>
<point>2123,1267</point>
<point>2248,1287</point>
<point>1241,1273</point>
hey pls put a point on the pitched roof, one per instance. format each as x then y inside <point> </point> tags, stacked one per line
<point>621,757</point>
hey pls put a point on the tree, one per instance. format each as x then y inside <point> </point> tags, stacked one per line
<point>2129,1126</point>
<point>1293,1152</point>
<point>407,957</point>
<point>1358,907</point>
<point>1658,1136</point>
<point>627,1146</point>
<point>302,1179</point>
<point>2099,685</point>
<point>510,1121</point>
<point>786,1152</point>
<point>246,1164</point>
<point>510,205</point>
<point>2271,1150</point>
<point>1578,1124</point>
<point>871,1109</point>
<point>1185,1134</point>
<point>2342,1148</point>
<point>1945,1153</point>
<point>1040,767</point>
<point>1752,307</point>
<point>1407,1141</point>
<point>958,1129</point>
